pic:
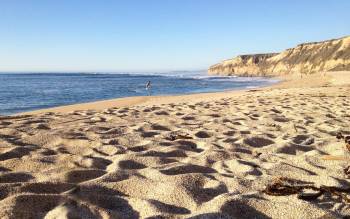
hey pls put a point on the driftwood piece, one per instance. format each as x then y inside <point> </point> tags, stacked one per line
<point>286,186</point>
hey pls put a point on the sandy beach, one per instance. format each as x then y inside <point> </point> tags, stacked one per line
<point>260,153</point>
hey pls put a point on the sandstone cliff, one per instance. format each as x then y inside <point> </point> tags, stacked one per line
<point>306,58</point>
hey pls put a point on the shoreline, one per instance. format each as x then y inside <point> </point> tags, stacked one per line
<point>141,100</point>
<point>283,82</point>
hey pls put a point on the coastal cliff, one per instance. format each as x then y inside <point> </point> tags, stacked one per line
<point>306,58</point>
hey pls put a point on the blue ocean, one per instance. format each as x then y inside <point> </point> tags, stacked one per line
<point>21,92</point>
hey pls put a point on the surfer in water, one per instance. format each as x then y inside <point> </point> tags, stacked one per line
<point>148,87</point>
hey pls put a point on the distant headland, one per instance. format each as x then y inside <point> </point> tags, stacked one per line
<point>306,58</point>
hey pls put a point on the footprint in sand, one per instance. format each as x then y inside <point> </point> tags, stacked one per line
<point>93,162</point>
<point>188,117</point>
<point>16,152</point>
<point>48,152</point>
<point>130,164</point>
<point>188,146</point>
<point>149,134</point>
<point>160,127</point>
<point>188,168</point>
<point>78,176</point>
<point>203,134</point>
<point>171,153</point>
<point>15,177</point>
<point>138,148</point>
<point>46,187</point>
<point>258,142</point>
<point>280,119</point>
<point>161,113</point>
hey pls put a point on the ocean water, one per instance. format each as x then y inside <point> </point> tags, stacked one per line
<point>32,91</point>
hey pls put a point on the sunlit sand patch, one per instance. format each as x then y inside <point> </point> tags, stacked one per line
<point>209,157</point>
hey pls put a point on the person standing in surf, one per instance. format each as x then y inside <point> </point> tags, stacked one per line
<point>148,87</point>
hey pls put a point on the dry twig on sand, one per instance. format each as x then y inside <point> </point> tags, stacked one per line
<point>305,190</point>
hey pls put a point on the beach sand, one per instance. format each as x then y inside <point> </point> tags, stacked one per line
<point>192,156</point>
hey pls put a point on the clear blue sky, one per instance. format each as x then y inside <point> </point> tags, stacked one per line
<point>130,35</point>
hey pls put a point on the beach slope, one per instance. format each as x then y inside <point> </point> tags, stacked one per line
<point>268,152</point>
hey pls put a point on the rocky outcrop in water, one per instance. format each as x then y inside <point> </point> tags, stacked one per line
<point>306,58</point>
